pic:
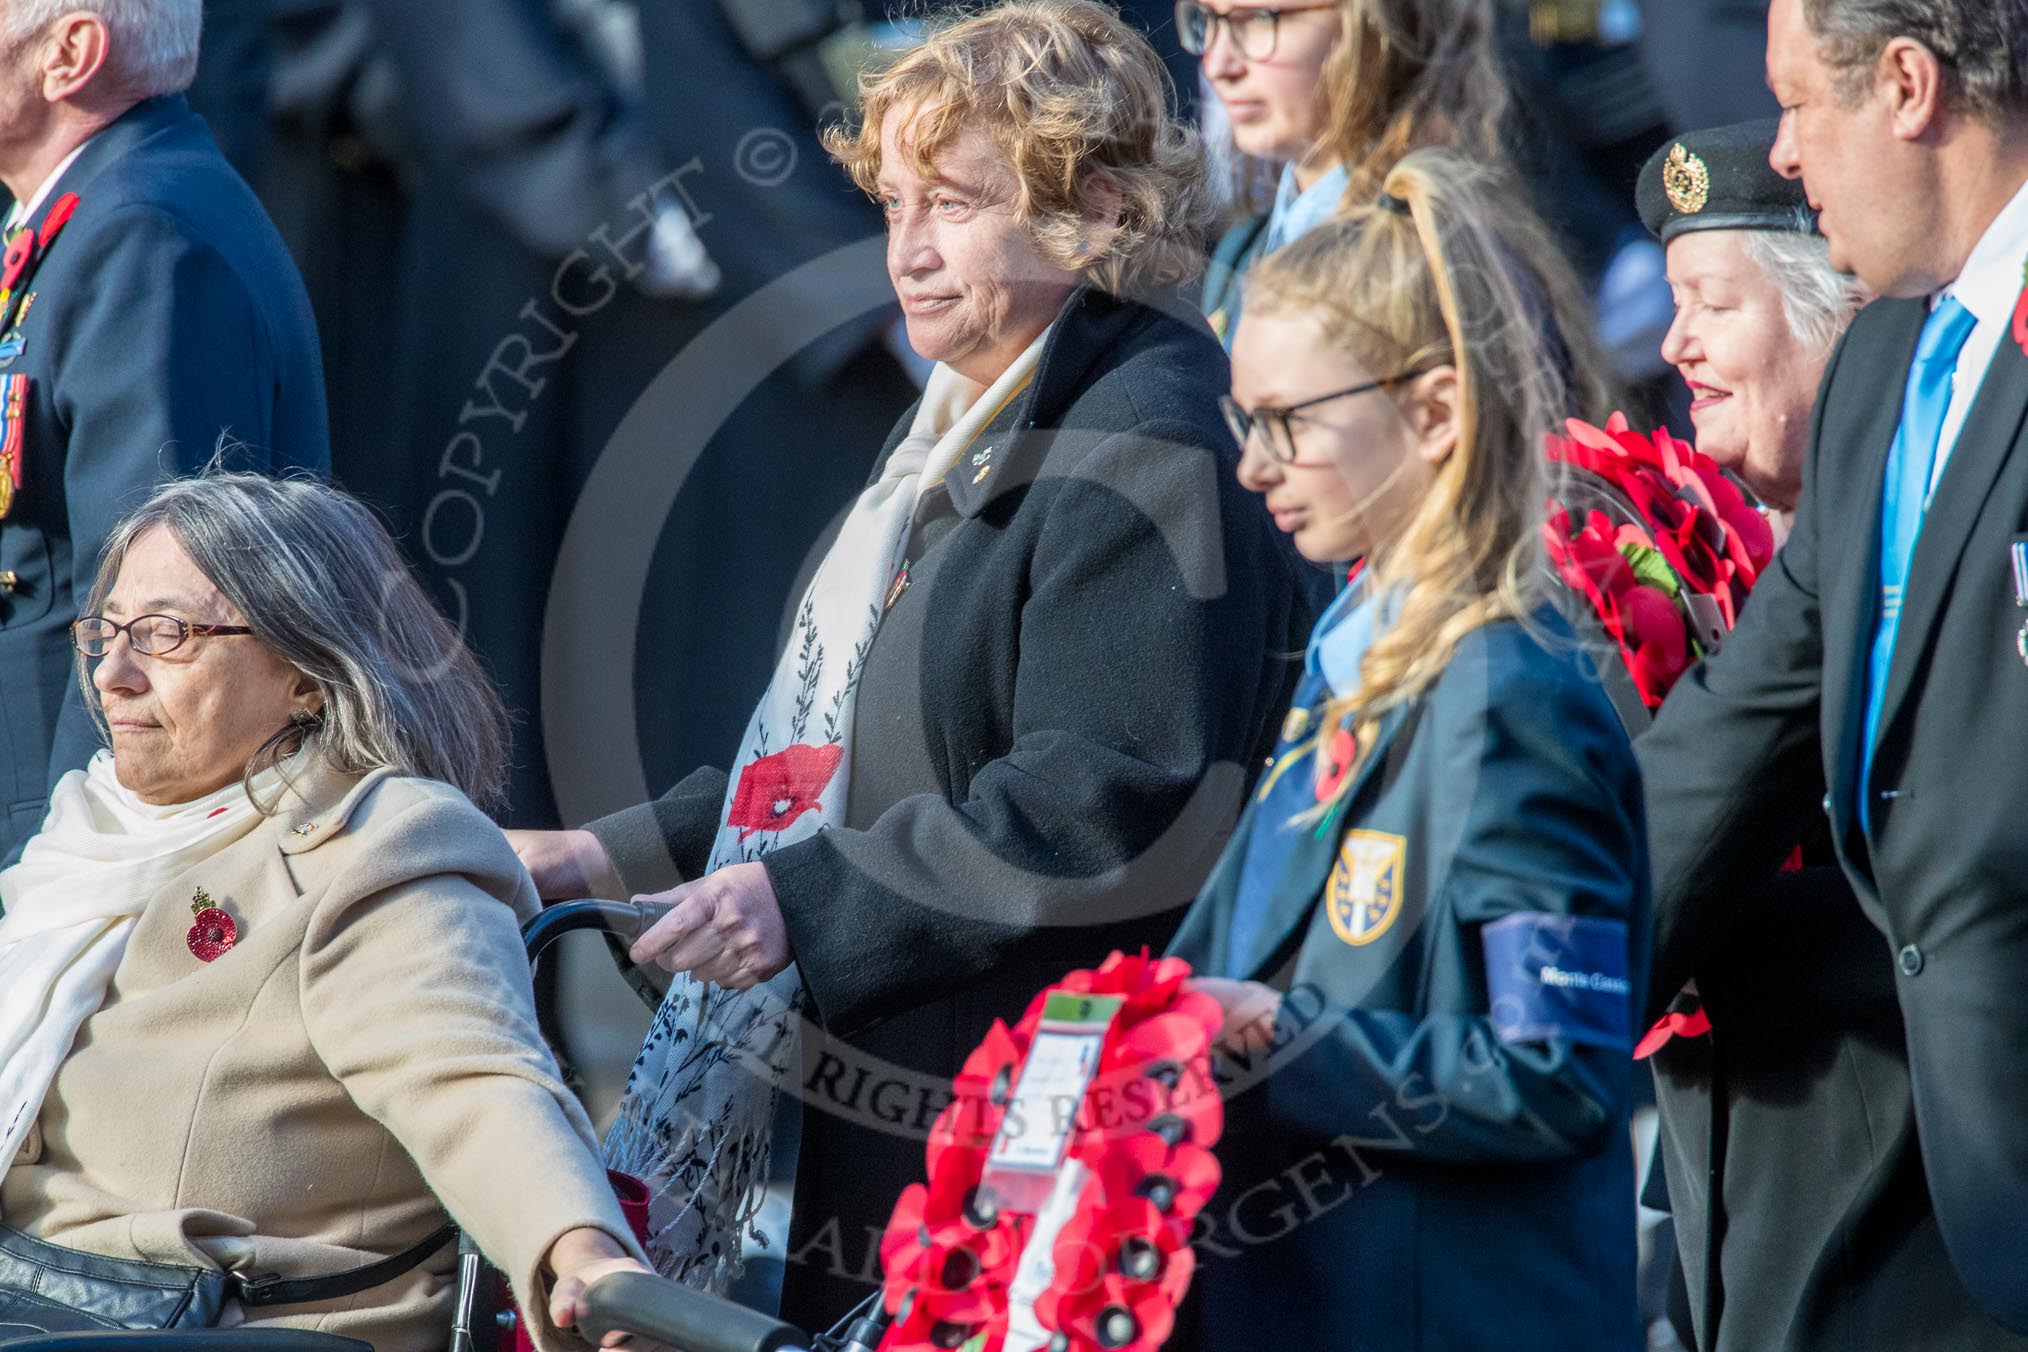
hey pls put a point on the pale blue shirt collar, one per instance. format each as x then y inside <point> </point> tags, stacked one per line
<point>1343,633</point>
<point>1298,211</point>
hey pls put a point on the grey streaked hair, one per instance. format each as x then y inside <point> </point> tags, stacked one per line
<point>1981,44</point>
<point>1818,301</point>
<point>320,583</point>
<point>153,48</point>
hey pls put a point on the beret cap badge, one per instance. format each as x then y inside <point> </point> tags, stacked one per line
<point>1686,180</point>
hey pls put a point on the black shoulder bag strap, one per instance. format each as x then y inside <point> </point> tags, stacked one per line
<point>270,1289</point>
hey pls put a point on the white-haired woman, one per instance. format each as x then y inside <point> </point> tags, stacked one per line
<point>1787,1122</point>
<point>263,1003</point>
<point>1758,305</point>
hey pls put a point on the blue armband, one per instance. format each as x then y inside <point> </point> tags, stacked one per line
<point>1559,977</point>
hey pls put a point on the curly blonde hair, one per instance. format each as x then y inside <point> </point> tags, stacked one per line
<point>1452,269</point>
<point>1080,105</point>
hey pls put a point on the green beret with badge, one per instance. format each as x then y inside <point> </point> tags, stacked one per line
<point>1720,179</point>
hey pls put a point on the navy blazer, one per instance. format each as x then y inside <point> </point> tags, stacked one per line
<point>1399,1174</point>
<point>167,315</point>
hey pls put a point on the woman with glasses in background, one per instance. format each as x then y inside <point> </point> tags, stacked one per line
<point>1429,931</point>
<point>1330,94</point>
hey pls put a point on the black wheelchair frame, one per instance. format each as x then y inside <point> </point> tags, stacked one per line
<point>650,1308</point>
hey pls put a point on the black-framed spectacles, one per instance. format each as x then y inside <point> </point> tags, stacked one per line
<point>152,635</point>
<point>1252,28</point>
<point>1273,423</point>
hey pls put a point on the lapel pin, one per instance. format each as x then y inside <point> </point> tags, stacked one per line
<point>1296,724</point>
<point>214,934</point>
<point>1338,756</point>
<point>2017,555</point>
<point>897,587</point>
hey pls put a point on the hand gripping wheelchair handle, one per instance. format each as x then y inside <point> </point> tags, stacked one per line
<point>686,1320</point>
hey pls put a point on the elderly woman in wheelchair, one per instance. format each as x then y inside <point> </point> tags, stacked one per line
<point>265,1015</point>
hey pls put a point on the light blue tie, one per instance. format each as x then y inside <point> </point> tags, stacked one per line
<point>1905,498</point>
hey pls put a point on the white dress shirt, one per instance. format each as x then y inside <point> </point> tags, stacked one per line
<point>1989,286</point>
<point>22,211</point>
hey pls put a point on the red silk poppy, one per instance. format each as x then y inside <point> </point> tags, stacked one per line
<point>1176,1180</point>
<point>1114,1259</point>
<point>777,789</point>
<point>948,1248</point>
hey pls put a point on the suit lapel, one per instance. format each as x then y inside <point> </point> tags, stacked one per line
<point>1981,449</point>
<point>1851,603</point>
<point>1313,853</point>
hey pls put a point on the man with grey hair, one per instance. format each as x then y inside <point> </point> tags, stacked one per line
<point>1885,655</point>
<point>148,314</point>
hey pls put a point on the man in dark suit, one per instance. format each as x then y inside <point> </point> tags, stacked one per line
<point>1884,655</point>
<point>151,314</point>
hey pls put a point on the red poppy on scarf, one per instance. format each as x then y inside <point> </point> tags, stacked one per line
<point>777,789</point>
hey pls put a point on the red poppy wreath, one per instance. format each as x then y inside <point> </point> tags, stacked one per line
<point>1693,541</point>
<point>1101,1261</point>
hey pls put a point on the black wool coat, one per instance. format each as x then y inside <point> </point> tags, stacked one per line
<point>1057,723</point>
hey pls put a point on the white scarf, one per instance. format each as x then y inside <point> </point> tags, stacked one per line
<point>695,1121</point>
<point>71,903</point>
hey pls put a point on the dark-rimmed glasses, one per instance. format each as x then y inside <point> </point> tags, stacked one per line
<point>152,635</point>
<point>1273,423</point>
<point>1252,28</point>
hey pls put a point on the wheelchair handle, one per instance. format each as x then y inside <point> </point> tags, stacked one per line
<point>626,919</point>
<point>687,1320</point>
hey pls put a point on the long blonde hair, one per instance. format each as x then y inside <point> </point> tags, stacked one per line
<point>1449,269</point>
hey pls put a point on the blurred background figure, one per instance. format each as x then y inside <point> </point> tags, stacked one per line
<point>1707,59</point>
<point>459,179</point>
<point>508,277</point>
<point>149,315</point>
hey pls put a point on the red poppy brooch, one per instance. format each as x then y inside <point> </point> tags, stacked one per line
<point>214,932</point>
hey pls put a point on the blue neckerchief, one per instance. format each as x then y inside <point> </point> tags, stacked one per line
<point>1330,668</point>
<point>1298,211</point>
<point>1343,634</point>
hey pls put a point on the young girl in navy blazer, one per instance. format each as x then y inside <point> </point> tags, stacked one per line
<point>1428,931</point>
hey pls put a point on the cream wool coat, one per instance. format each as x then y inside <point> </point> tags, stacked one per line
<point>364,1059</point>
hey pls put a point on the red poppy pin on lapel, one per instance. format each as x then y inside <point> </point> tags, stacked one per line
<point>214,934</point>
<point>2021,312</point>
